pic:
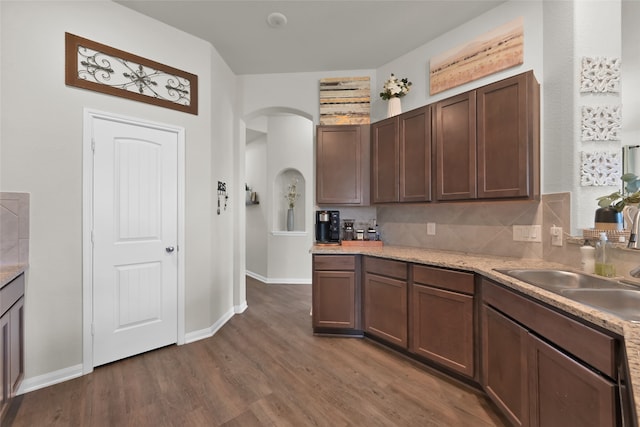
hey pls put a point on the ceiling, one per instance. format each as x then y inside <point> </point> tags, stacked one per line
<point>318,36</point>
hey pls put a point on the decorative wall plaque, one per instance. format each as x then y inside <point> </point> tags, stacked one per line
<point>600,75</point>
<point>101,68</point>
<point>601,123</point>
<point>496,50</point>
<point>600,169</point>
<point>345,101</point>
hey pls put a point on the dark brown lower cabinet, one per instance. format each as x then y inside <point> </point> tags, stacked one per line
<point>442,317</point>
<point>565,393</point>
<point>335,293</point>
<point>11,341</point>
<point>532,377</point>
<point>504,361</point>
<point>385,300</point>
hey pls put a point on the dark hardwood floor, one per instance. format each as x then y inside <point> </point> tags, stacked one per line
<point>263,368</point>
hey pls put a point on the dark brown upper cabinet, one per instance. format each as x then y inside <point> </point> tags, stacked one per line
<point>401,157</point>
<point>342,165</point>
<point>455,139</point>
<point>487,142</point>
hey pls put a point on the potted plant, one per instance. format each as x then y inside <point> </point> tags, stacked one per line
<point>611,206</point>
<point>392,91</point>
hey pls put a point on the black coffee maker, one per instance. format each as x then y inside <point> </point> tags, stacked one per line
<point>328,226</point>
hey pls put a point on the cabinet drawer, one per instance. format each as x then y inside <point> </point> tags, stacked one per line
<point>11,293</point>
<point>591,346</point>
<point>451,280</point>
<point>334,262</point>
<point>385,267</point>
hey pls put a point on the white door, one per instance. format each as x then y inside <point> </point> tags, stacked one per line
<point>135,223</point>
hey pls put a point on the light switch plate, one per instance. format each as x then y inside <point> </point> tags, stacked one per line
<point>556,236</point>
<point>431,228</point>
<point>527,233</point>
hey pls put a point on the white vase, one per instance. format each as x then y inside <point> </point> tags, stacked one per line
<point>394,107</point>
<point>290,219</point>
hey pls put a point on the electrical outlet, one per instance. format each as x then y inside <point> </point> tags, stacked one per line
<point>431,228</point>
<point>556,236</point>
<point>527,233</point>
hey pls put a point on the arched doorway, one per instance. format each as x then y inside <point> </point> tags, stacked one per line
<point>279,151</point>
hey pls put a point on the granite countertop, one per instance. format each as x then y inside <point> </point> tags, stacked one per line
<point>486,265</point>
<point>10,272</point>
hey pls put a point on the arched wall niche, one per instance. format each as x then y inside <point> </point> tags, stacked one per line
<point>289,189</point>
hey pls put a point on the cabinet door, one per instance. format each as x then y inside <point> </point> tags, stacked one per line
<point>385,162</point>
<point>442,327</point>
<point>455,134</point>
<point>385,308</point>
<point>334,299</point>
<point>564,393</point>
<point>505,138</point>
<point>415,155</point>
<point>504,365</point>
<point>16,345</point>
<point>5,387</point>
<point>342,165</point>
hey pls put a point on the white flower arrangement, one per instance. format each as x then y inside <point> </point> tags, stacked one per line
<point>394,88</point>
<point>292,193</point>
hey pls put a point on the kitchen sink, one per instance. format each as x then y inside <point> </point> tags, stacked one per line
<point>557,280</point>
<point>624,303</point>
<point>615,297</point>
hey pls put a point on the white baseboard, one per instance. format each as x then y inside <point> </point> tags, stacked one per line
<point>208,332</point>
<point>51,378</point>
<point>239,309</point>
<point>272,281</point>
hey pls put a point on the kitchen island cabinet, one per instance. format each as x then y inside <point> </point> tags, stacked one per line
<point>342,165</point>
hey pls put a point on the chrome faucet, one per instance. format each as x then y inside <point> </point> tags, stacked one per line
<point>635,230</point>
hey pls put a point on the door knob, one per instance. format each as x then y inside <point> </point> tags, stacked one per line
<point>170,249</point>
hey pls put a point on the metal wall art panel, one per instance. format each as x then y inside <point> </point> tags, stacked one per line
<point>101,68</point>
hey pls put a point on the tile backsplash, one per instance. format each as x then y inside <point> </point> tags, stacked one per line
<point>476,227</point>
<point>14,228</point>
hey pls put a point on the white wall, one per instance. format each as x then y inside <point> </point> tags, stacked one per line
<point>597,33</point>
<point>415,64</point>
<point>256,216</point>
<point>290,146</point>
<point>630,73</point>
<point>41,153</point>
